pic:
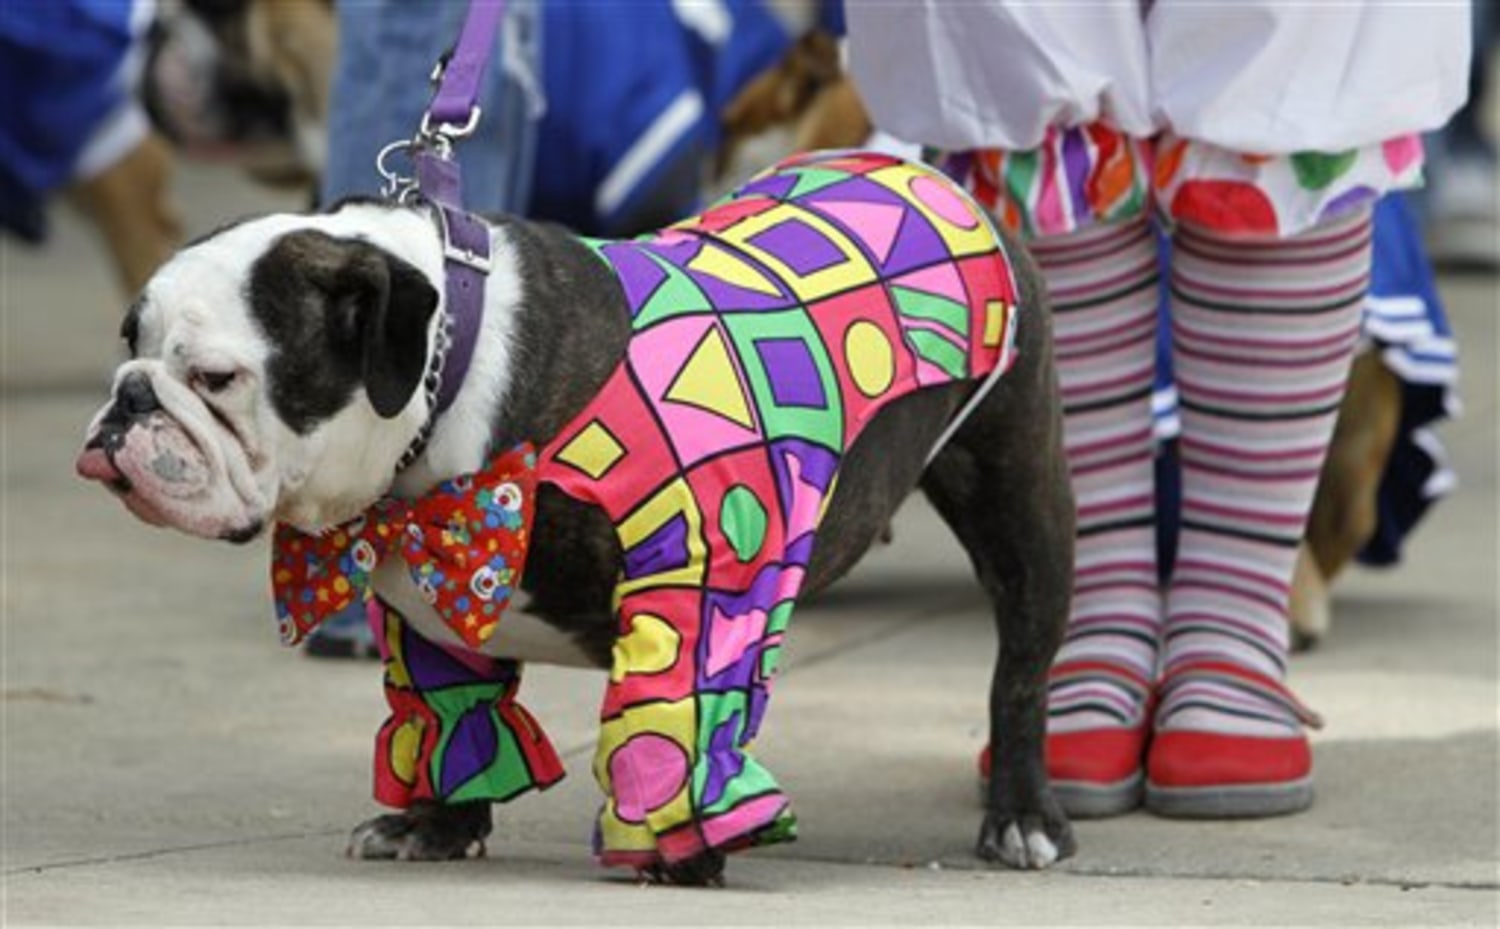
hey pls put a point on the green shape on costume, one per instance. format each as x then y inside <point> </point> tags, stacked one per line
<point>714,709</point>
<point>938,350</point>
<point>1316,170</point>
<point>742,519</point>
<point>781,829</point>
<point>507,775</point>
<point>920,305</point>
<point>678,295</point>
<point>768,659</point>
<point>825,426</point>
<point>504,778</point>
<point>776,623</point>
<point>780,615</point>
<point>811,179</point>
<point>596,246</point>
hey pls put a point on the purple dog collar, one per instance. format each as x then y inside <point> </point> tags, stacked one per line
<point>466,264</point>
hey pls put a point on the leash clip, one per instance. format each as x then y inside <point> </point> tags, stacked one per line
<point>444,134</point>
<point>402,188</point>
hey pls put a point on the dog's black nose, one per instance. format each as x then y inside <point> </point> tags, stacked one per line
<point>135,396</point>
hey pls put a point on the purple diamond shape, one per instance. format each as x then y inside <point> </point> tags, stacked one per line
<point>799,246</point>
<point>792,373</point>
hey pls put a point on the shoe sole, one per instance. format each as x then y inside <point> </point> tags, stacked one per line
<point>1230,801</point>
<point>1087,800</point>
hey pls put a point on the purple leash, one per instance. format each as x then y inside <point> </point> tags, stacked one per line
<point>452,115</point>
<point>455,106</point>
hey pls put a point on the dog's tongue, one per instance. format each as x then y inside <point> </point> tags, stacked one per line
<point>155,458</point>
<point>94,465</point>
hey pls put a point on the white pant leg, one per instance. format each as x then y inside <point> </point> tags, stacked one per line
<point>962,74</point>
<point>1275,77</point>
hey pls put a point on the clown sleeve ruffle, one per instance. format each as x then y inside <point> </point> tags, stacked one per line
<point>456,732</point>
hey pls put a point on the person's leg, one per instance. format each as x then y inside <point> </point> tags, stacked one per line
<point>387,48</point>
<point>1263,332</point>
<point>1103,284</point>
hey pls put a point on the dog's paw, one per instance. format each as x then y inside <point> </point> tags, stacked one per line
<point>1310,608</point>
<point>705,869</point>
<point>1026,842</point>
<point>426,832</point>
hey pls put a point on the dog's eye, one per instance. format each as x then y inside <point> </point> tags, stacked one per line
<point>213,381</point>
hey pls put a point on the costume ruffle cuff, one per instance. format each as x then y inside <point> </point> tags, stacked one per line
<point>456,732</point>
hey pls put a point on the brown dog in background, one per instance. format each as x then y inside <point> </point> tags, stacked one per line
<point>281,50</point>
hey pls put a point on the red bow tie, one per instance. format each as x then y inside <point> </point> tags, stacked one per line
<point>464,544</point>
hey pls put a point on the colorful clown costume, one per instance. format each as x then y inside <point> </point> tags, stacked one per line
<point>766,332</point>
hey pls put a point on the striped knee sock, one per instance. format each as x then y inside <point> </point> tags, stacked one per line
<point>1263,332</point>
<point>1103,284</point>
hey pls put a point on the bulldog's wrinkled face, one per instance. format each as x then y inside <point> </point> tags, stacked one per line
<point>274,373</point>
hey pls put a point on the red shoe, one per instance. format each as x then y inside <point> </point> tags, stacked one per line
<point>1095,772</point>
<point>1210,775</point>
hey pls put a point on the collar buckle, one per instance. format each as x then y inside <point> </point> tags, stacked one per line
<point>458,252</point>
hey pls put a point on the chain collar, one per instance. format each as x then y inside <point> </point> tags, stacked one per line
<point>432,385</point>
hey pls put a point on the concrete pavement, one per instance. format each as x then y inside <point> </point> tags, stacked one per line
<point>165,762</point>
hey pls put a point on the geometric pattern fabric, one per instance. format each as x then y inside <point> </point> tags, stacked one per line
<point>766,332</point>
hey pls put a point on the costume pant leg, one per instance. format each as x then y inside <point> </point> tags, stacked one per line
<point>456,733</point>
<point>707,589</point>
<point>687,692</point>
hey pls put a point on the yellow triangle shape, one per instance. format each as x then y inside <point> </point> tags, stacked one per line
<point>718,263</point>
<point>709,382</point>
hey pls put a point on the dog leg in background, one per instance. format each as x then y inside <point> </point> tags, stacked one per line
<point>1344,510</point>
<point>1102,281</point>
<point>1002,486</point>
<point>130,204</point>
<point>456,741</point>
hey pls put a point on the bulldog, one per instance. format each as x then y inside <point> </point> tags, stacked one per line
<point>702,424</point>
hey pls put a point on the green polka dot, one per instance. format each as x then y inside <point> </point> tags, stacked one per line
<point>1316,170</point>
<point>742,518</point>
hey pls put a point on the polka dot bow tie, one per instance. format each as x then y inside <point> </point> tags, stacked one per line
<point>464,544</point>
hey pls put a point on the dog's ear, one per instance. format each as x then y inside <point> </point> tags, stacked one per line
<point>375,310</point>
<point>394,333</point>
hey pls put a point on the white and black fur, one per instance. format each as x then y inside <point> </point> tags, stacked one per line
<point>291,348</point>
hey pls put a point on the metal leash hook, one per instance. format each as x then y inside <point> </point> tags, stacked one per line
<point>401,188</point>
<point>456,77</point>
<point>436,141</point>
<point>435,182</point>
